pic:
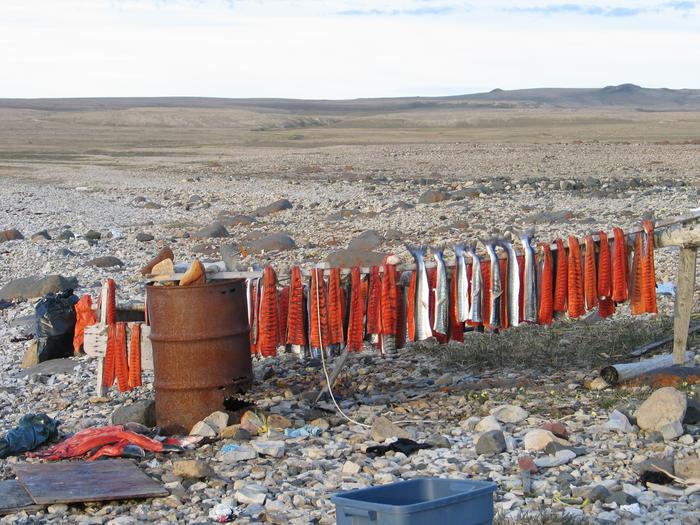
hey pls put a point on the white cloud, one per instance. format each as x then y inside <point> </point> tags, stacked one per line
<point>304,48</point>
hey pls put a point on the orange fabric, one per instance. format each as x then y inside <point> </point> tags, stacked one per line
<point>590,275</point>
<point>316,308</point>
<point>356,323</point>
<point>296,335</point>
<point>84,317</point>
<point>619,267</point>
<point>562,278</point>
<point>545,313</point>
<point>335,308</point>
<point>268,323</point>
<point>575,296</point>
<point>374,325</point>
<point>135,356</point>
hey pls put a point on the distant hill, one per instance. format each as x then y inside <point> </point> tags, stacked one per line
<point>624,96</point>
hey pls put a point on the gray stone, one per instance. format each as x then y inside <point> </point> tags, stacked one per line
<point>562,457</point>
<point>66,235</point>
<point>152,206</point>
<point>367,240</point>
<point>672,430</point>
<point>592,493</point>
<point>92,235</point>
<point>192,469</point>
<point>349,258</point>
<point>383,429</point>
<point>393,235</point>
<point>510,414</point>
<point>215,229</point>
<point>666,405</point>
<point>10,235</point>
<point>52,367</point>
<point>618,422</point>
<point>217,421</point>
<point>491,442</point>
<point>231,256</point>
<point>142,411</point>
<point>649,464</point>
<point>36,286</point>
<point>43,235</point>
<point>351,468</point>
<point>692,413</point>
<point>252,494</point>
<point>539,438</point>
<point>273,242</point>
<point>487,423</point>
<point>433,196</point>
<point>236,220</point>
<point>242,453</point>
<point>438,441</point>
<point>144,237</point>
<point>269,448</point>
<point>687,467</point>
<point>277,206</point>
<point>202,429</point>
<point>445,380</point>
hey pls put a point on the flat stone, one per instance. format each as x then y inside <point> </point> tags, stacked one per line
<point>236,220</point>
<point>217,421</point>
<point>666,405</point>
<point>251,422</point>
<point>52,367</point>
<point>556,428</point>
<point>433,196</point>
<point>12,234</point>
<point>649,464</point>
<point>562,457</point>
<point>235,432</point>
<point>192,469</point>
<point>672,430</point>
<point>491,442</point>
<point>618,422</point>
<point>367,240</point>
<point>687,467</point>
<point>269,448</point>
<point>242,453</point>
<point>106,261</point>
<point>142,411</point>
<point>274,242</point>
<point>251,495</point>
<point>539,438</point>
<point>488,423</point>
<point>42,235</point>
<point>144,237</point>
<point>592,493</point>
<point>383,429</point>
<point>275,421</point>
<point>36,286</point>
<point>351,468</point>
<point>275,207</point>
<point>215,229</point>
<point>510,414</point>
<point>202,429</point>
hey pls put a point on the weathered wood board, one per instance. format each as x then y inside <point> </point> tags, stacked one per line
<point>14,498</point>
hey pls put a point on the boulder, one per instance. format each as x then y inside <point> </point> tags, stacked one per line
<point>510,414</point>
<point>142,411</point>
<point>367,240</point>
<point>488,423</point>
<point>348,258</point>
<point>665,406</point>
<point>236,220</point>
<point>106,261</point>
<point>273,242</point>
<point>491,442</point>
<point>277,206</point>
<point>11,235</point>
<point>144,237</point>
<point>202,429</point>
<point>43,235</point>
<point>36,286</point>
<point>539,438</point>
<point>215,229</point>
<point>433,196</point>
<point>618,422</point>
<point>192,469</point>
<point>383,429</point>
<point>687,467</point>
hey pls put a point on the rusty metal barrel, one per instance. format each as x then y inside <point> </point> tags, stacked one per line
<point>201,350</point>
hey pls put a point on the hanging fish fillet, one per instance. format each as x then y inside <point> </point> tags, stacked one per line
<point>575,297</point>
<point>356,323</point>
<point>111,302</point>
<point>108,367</point>
<point>529,281</point>
<point>296,334</point>
<point>590,274</point>
<point>401,327</point>
<point>421,299</point>
<point>496,289</point>
<point>619,267</point>
<point>441,319</point>
<point>121,361</point>
<point>545,314</point>
<point>135,356</point>
<point>456,326</point>
<point>636,294</point>
<point>461,284</point>
<point>604,268</point>
<point>390,308</point>
<point>648,270</point>
<point>374,297</point>
<point>268,322</point>
<point>283,302</point>
<point>335,308</point>
<point>486,293</point>
<point>318,311</point>
<point>410,298</point>
<point>474,315</point>
<point>561,280</point>
<point>512,294</point>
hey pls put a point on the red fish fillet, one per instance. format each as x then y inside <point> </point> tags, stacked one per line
<point>619,267</point>
<point>135,356</point>
<point>318,310</point>
<point>545,313</point>
<point>268,323</point>
<point>401,328</point>
<point>486,293</point>
<point>83,442</point>
<point>110,357</point>
<point>335,308</point>
<point>356,322</point>
<point>456,327</point>
<point>636,296</point>
<point>575,297</point>
<point>374,325</point>
<point>121,362</point>
<point>648,270</point>
<point>296,335</point>
<point>411,308</point>
<point>590,275</point>
<point>283,302</point>
<point>606,306</point>
<point>390,301</point>
<point>562,278</point>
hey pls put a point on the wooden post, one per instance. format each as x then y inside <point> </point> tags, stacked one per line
<point>684,301</point>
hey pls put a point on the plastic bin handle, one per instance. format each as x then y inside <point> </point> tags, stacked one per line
<point>371,515</point>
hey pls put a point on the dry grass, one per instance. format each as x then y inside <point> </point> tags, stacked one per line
<point>566,344</point>
<point>541,517</point>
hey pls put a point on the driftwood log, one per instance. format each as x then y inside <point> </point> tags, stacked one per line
<point>616,374</point>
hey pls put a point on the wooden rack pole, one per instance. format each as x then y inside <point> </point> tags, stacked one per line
<point>683,307</point>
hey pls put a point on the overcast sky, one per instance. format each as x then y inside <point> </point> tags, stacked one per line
<point>340,48</point>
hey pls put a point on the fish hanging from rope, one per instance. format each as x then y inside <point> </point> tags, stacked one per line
<point>529,280</point>
<point>545,314</point>
<point>456,326</point>
<point>474,316</point>
<point>441,313</point>
<point>461,284</point>
<point>283,304</point>
<point>496,288</point>
<point>620,292</point>
<point>606,306</point>
<point>135,356</point>
<point>512,292</point>
<point>296,334</point>
<point>486,293</point>
<point>268,323</point>
<point>421,297</point>
<point>318,311</point>
<point>374,297</point>
<point>575,296</point>
<point>389,307</point>
<point>590,274</point>
<point>335,308</point>
<point>561,279</point>
<point>648,269</point>
<point>356,322</point>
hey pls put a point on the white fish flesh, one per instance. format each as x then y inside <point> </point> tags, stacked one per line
<point>441,310</point>
<point>474,314</point>
<point>513,280</point>
<point>462,284</point>
<point>496,289</point>
<point>422,298</point>
<point>529,280</point>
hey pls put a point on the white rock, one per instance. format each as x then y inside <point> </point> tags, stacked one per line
<point>618,422</point>
<point>242,453</point>
<point>351,468</point>
<point>671,430</point>
<point>631,509</point>
<point>202,429</point>
<point>562,457</point>
<point>664,406</point>
<point>539,438</point>
<point>686,439</point>
<point>269,448</point>
<point>252,495</point>
<point>217,421</point>
<point>488,423</point>
<point>470,423</point>
<point>510,414</point>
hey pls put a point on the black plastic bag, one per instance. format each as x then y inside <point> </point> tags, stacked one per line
<point>407,446</point>
<point>54,321</point>
<point>33,430</point>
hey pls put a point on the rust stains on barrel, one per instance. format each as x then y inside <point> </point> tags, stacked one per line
<point>201,352</point>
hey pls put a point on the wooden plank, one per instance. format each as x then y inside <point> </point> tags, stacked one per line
<point>641,350</point>
<point>83,481</point>
<point>14,498</point>
<point>683,307</point>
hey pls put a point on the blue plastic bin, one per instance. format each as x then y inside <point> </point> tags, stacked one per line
<point>420,501</point>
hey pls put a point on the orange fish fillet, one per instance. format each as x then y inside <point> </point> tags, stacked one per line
<point>135,356</point>
<point>374,325</point>
<point>636,297</point>
<point>545,313</point>
<point>590,275</point>
<point>356,322</point>
<point>268,323</point>
<point>296,335</point>
<point>575,297</point>
<point>283,303</point>
<point>335,308</point>
<point>562,278</point>
<point>390,301</point>
<point>121,362</point>
<point>486,293</point>
<point>317,307</point>
<point>619,267</point>
<point>411,308</point>
<point>648,270</point>
<point>110,357</point>
<point>456,327</point>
